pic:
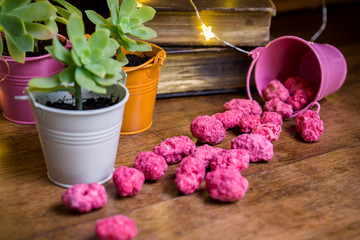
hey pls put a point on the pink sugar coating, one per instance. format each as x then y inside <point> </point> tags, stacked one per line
<point>226,185</point>
<point>174,149</point>
<point>128,181</point>
<point>238,159</point>
<point>117,227</point>
<point>249,107</point>
<point>272,117</point>
<point>275,89</point>
<point>84,197</point>
<point>153,166</point>
<point>260,149</point>
<point>205,153</point>
<point>276,105</point>
<point>249,123</point>
<point>189,175</point>
<point>309,125</point>
<point>269,130</point>
<point>207,129</point>
<point>301,98</point>
<point>295,83</point>
<point>230,118</point>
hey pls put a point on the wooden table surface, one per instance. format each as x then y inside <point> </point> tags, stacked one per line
<point>307,191</point>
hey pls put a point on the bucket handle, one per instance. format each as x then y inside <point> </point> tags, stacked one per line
<point>255,54</point>
<point>8,68</point>
<point>158,62</point>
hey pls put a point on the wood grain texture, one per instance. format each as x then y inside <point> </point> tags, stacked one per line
<point>307,191</point>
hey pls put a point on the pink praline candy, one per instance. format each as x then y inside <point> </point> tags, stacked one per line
<point>230,118</point>
<point>269,130</point>
<point>247,106</point>
<point>205,153</point>
<point>231,158</point>
<point>275,89</point>
<point>249,123</point>
<point>85,197</point>
<point>276,105</point>
<point>226,185</point>
<point>310,126</point>
<point>117,227</point>
<point>207,129</point>
<point>153,166</point>
<point>272,117</point>
<point>128,181</point>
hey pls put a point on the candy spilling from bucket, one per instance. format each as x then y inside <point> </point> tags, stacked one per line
<point>289,56</point>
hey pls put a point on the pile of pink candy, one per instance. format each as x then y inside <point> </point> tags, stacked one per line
<point>220,168</point>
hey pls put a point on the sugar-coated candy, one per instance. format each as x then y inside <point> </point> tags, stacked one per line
<point>310,126</point>
<point>174,149</point>
<point>269,130</point>
<point>128,181</point>
<point>84,197</point>
<point>271,117</point>
<point>275,89</point>
<point>205,153</point>
<point>230,118</point>
<point>295,83</point>
<point>247,106</point>
<point>117,227</point>
<point>260,149</point>
<point>207,129</point>
<point>238,159</point>
<point>249,123</point>
<point>226,185</point>
<point>301,98</point>
<point>153,166</point>
<point>276,105</point>
<point>189,175</point>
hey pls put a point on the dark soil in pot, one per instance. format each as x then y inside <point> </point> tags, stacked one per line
<point>88,104</point>
<point>135,60</point>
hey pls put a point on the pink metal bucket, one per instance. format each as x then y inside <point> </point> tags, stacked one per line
<point>15,79</point>
<point>290,56</point>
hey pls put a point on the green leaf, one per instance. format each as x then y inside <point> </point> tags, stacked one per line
<point>10,5</point>
<point>144,14</point>
<point>114,15</point>
<point>85,79</point>
<point>112,66</point>
<point>15,53</point>
<point>99,39</point>
<point>51,24</point>
<point>78,44</point>
<point>1,47</point>
<point>96,69</point>
<point>132,47</point>
<point>59,52</point>
<point>95,18</point>
<point>24,43</point>
<point>110,80</point>
<point>110,3</point>
<point>67,75</point>
<point>95,55</point>
<point>143,32</point>
<point>122,59</point>
<point>143,47</point>
<point>110,49</point>
<point>62,12</point>
<point>75,27</point>
<point>128,7</point>
<point>39,31</point>
<point>12,24</point>
<point>75,58</point>
<point>134,22</point>
<point>37,11</point>
<point>69,7</point>
<point>44,82</point>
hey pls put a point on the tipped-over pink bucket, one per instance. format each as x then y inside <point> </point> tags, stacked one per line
<point>290,56</point>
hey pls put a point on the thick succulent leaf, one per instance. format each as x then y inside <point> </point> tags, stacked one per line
<point>44,82</point>
<point>112,66</point>
<point>143,47</point>
<point>1,47</point>
<point>62,12</point>
<point>111,28</point>
<point>144,14</point>
<point>75,27</point>
<point>10,5</point>
<point>85,79</point>
<point>66,77</point>
<point>128,7</point>
<point>110,3</point>
<point>125,38</point>
<point>95,55</point>
<point>134,22</point>
<point>12,24</point>
<point>75,59</point>
<point>14,52</point>
<point>132,47</point>
<point>95,18</point>
<point>114,15</point>
<point>69,7</point>
<point>122,59</point>
<point>59,52</point>
<point>108,81</point>
<point>37,11</point>
<point>143,32</point>
<point>39,31</point>
<point>96,69</point>
<point>51,24</point>
<point>98,39</point>
<point>111,48</point>
<point>24,43</point>
<point>79,44</point>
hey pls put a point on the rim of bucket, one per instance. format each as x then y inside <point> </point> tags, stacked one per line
<point>308,45</point>
<point>27,59</point>
<point>147,63</point>
<point>81,113</point>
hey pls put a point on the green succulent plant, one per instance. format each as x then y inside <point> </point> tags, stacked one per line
<point>126,19</point>
<point>90,63</point>
<point>23,22</point>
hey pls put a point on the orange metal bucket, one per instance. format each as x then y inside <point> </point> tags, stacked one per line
<point>142,82</point>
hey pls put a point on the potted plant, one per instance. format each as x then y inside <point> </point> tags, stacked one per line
<point>25,26</point>
<point>80,145</point>
<point>142,80</point>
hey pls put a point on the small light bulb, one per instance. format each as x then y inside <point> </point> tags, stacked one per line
<point>207,32</point>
